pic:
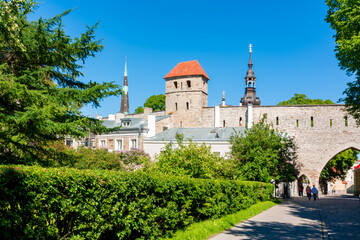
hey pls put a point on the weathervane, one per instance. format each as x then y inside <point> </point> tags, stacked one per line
<point>250,47</point>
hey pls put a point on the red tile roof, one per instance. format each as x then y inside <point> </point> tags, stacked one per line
<point>187,69</point>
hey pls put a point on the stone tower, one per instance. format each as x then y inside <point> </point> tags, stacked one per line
<point>250,86</point>
<point>125,97</point>
<point>186,93</point>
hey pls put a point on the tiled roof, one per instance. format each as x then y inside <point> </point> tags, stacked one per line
<point>187,69</point>
<point>198,134</point>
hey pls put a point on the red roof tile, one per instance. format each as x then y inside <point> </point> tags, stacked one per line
<point>187,69</point>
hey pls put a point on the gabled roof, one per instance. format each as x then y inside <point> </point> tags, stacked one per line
<point>189,68</point>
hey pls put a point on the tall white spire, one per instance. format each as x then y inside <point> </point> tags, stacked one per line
<point>125,71</point>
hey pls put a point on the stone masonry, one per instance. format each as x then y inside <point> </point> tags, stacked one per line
<point>319,132</point>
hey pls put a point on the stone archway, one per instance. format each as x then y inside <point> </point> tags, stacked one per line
<point>313,171</point>
<point>303,181</point>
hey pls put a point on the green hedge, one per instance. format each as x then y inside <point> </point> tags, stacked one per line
<point>66,203</point>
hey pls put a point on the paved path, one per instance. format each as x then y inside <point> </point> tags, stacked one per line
<point>342,217</point>
<point>335,217</point>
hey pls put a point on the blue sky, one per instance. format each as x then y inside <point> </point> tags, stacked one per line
<point>293,47</point>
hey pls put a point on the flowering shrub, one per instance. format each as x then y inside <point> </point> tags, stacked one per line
<point>89,158</point>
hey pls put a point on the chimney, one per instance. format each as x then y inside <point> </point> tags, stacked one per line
<point>217,116</point>
<point>151,125</point>
<point>249,115</point>
<point>147,110</point>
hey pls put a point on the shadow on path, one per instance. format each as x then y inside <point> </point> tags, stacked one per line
<point>334,217</point>
<point>296,218</point>
<point>342,216</point>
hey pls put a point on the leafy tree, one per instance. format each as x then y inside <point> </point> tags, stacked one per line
<point>262,154</point>
<point>139,110</point>
<point>190,159</point>
<point>339,165</point>
<point>302,99</point>
<point>156,102</point>
<point>40,91</point>
<point>343,16</point>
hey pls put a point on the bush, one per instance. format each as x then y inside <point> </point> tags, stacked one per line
<point>190,159</point>
<point>56,203</point>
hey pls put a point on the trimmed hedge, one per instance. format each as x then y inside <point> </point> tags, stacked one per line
<point>53,203</point>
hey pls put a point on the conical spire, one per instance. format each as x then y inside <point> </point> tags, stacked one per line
<point>124,108</point>
<point>250,72</point>
<point>250,81</point>
<point>125,71</point>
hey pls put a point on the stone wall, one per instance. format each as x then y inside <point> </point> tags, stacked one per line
<point>320,132</point>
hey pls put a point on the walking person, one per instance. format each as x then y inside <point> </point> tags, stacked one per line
<point>301,189</point>
<point>314,192</point>
<point>308,192</point>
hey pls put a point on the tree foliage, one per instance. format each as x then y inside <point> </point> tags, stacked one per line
<point>190,159</point>
<point>156,102</point>
<point>262,153</point>
<point>139,110</point>
<point>339,165</point>
<point>302,99</point>
<point>343,16</point>
<point>40,91</point>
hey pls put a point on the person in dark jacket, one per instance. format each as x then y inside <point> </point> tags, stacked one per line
<point>308,192</point>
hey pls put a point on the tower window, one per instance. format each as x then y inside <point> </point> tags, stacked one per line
<point>181,85</point>
<point>175,84</point>
<point>187,105</point>
<point>330,122</point>
<point>297,122</point>
<point>188,84</point>
<point>176,107</point>
<point>277,120</point>
<point>224,123</point>
<point>240,121</point>
<point>346,121</point>
<point>312,121</point>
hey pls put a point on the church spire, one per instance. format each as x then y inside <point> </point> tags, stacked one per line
<point>125,98</point>
<point>250,79</point>
<point>223,100</point>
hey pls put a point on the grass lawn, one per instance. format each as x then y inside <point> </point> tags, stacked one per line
<point>208,228</point>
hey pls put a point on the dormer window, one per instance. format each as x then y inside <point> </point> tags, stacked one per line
<point>126,123</point>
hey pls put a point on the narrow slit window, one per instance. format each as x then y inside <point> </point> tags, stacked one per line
<point>330,122</point>
<point>176,107</point>
<point>180,123</point>
<point>224,123</point>
<point>297,122</point>
<point>187,105</point>
<point>188,84</point>
<point>346,121</point>
<point>277,120</point>
<point>175,84</point>
<point>181,85</point>
<point>240,121</point>
<point>312,121</point>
